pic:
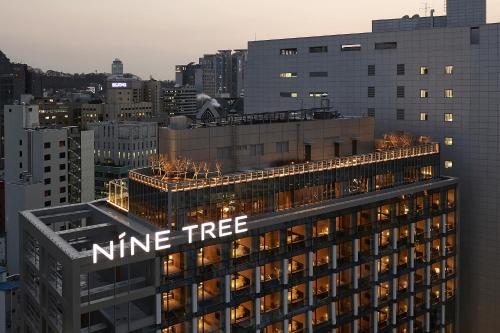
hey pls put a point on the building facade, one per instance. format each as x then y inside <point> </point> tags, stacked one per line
<point>432,76</point>
<point>358,244</point>
<point>180,101</point>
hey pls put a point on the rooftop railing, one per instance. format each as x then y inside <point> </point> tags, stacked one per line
<point>289,170</point>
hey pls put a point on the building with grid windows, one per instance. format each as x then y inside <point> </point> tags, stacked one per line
<point>365,243</point>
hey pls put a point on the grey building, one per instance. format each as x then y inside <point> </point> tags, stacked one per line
<point>180,101</point>
<point>117,67</point>
<point>432,76</point>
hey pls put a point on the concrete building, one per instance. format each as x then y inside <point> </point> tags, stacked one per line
<point>434,76</point>
<point>54,112</point>
<point>346,245</point>
<point>152,94</point>
<point>266,140</point>
<point>180,101</point>
<point>119,147</point>
<point>116,112</point>
<point>9,302</point>
<point>38,168</point>
<point>117,67</point>
<point>189,75</point>
<point>239,63</point>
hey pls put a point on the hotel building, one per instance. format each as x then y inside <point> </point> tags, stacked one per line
<point>364,243</point>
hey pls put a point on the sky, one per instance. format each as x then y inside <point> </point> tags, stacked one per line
<point>152,36</point>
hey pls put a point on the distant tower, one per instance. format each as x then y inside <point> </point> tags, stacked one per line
<point>463,13</point>
<point>117,67</point>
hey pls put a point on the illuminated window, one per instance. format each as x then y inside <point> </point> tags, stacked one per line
<point>318,94</point>
<point>290,51</point>
<point>424,116</point>
<point>424,93</point>
<point>350,47</point>
<point>289,94</point>
<point>288,75</point>
<point>448,93</point>
<point>448,70</point>
<point>424,70</point>
<point>448,117</point>
<point>448,164</point>
<point>448,141</point>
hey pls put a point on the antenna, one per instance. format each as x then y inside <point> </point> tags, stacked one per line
<point>425,8</point>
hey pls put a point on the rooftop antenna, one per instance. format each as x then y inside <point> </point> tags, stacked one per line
<point>425,8</point>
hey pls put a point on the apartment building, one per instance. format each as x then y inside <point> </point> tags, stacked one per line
<point>435,76</point>
<point>356,244</point>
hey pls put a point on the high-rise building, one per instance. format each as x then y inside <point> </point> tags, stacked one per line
<point>434,76</point>
<point>189,75</point>
<point>239,61</point>
<point>117,67</point>
<point>361,243</point>
<point>180,101</point>
<point>152,94</point>
<point>40,164</point>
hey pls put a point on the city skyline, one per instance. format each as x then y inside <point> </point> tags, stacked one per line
<point>179,43</point>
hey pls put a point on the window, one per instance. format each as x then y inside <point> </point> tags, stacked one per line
<point>318,94</point>
<point>20,153</point>
<point>62,178</point>
<point>289,51</point>
<point>448,93</point>
<point>401,69</point>
<point>424,116</point>
<point>62,166</point>
<point>424,70</point>
<point>289,94</point>
<point>354,146</point>
<point>386,46</point>
<point>47,193</point>
<point>62,200</point>
<point>46,157</point>
<point>371,92</point>
<point>448,117</point>
<point>257,150</point>
<point>46,169</point>
<point>400,92</point>
<point>318,74</point>
<point>46,145</point>
<point>20,142</point>
<point>448,70</point>
<point>282,147</point>
<point>47,203</point>
<point>62,190</point>
<point>288,75</point>
<point>448,164</point>
<point>62,143</point>
<point>400,114</point>
<point>350,47</point>
<point>318,49</point>
<point>371,70</point>
<point>336,149</point>
<point>62,155</point>
<point>371,112</point>
<point>475,36</point>
<point>448,141</point>
<point>424,93</point>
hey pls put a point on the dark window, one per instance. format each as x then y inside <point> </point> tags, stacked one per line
<point>62,143</point>
<point>400,114</point>
<point>350,47</point>
<point>318,49</point>
<point>62,155</point>
<point>371,112</point>
<point>371,92</point>
<point>20,142</point>
<point>62,190</point>
<point>401,69</point>
<point>318,74</point>
<point>47,203</point>
<point>307,152</point>
<point>336,148</point>
<point>62,200</point>
<point>475,36</point>
<point>20,165</point>
<point>371,70</point>
<point>62,178</point>
<point>400,92</point>
<point>46,157</point>
<point>46,169</point>
<point>46,181</point>
<point>354,147</point>
<point>62,166</point>
<point>289,51</point>
<point>46,145</point>
<point>47,193</point>
<point>386,46</point>
<point>20,153</point>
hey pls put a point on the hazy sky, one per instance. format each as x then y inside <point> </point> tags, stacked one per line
<point>151,36</point>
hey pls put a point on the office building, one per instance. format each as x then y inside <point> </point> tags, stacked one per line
<point>117,67</point>
<point>189,75</point>
<point>9,298</point>
<point>119,147</point>
<point>43,167</point>
<point>239,62</point>
<point>436,76</point>
<point>354,244</point>
<point>152,94</point>
<point>180,101</point>
<point>54,112</point>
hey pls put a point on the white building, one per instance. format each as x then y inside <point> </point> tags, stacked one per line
<point>37,169</point>
<point>125,143</point>
<point>434,76</point>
